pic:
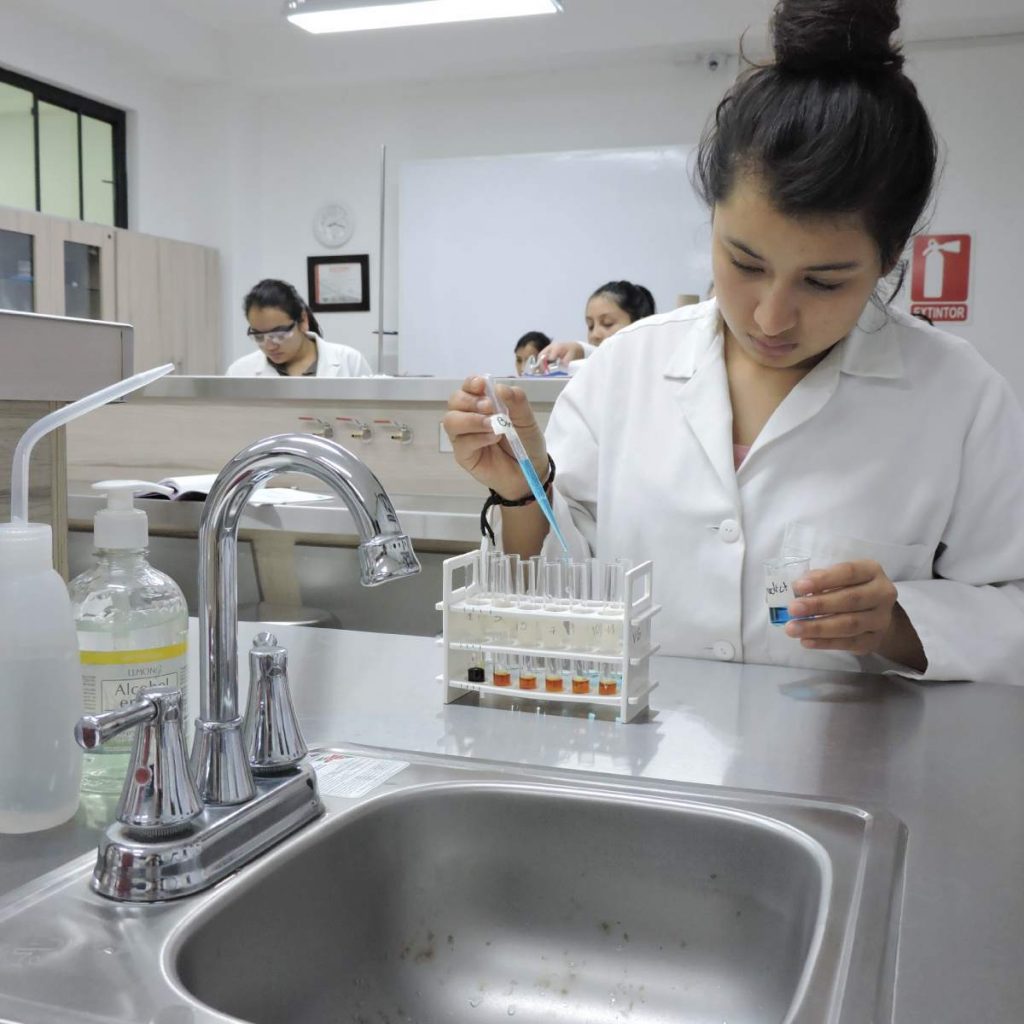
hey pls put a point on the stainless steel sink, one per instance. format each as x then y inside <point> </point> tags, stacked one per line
<point>474,893</point>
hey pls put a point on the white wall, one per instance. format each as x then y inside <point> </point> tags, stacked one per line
<point>972,91</point>
<point>182,178</point>
<point>334,143</point>
<point>492,246</point>
<point>974,94</point>
<point>246,173</point>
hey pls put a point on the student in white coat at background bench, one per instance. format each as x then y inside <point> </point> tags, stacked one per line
<point>290,340</point>
<point>610,308</point>
<point>796,403</point>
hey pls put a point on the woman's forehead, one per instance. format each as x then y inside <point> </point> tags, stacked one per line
<point>749,217</point>
<point>268,313</point>
<point>603,303</point>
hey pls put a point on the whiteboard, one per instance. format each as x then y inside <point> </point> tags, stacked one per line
<point>492,247</point>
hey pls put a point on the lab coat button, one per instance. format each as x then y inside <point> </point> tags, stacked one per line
<point>723,650</point>
<point>729,531</point>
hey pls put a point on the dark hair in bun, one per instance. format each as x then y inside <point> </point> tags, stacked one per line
<point>816,37</point>
<point>833,126</point>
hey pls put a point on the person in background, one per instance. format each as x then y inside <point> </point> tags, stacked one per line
<point>610,308</point>
<point>289,339</point>
<point>532,343</point>
<point>797,412</point>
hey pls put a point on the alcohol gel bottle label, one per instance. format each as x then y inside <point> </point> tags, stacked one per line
<point>111,680</point>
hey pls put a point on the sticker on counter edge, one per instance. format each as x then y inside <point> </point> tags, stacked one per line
<point>349,775</point>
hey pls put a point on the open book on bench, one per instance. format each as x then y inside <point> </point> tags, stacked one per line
<point>196,487</point>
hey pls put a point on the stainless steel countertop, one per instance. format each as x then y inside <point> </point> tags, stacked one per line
<point>945,758</point>
<point>354,389</point>
<point>424,517</point>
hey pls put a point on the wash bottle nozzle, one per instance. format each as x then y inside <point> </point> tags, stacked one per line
<point>19,470</point>
<point>501,423</point>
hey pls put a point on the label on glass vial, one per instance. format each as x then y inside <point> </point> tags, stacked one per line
<point>111,680</point>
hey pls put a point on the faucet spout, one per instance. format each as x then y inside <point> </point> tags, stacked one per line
<point>218,760</point>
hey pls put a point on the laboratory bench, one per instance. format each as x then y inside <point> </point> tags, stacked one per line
<point>944,758</point>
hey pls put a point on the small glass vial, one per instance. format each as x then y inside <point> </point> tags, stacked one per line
<point>554,681</point>
<point>580,679</point>
<point>608,684</point>
<point>527,675</point>
<point>476,672</point>
<point>502,675</point>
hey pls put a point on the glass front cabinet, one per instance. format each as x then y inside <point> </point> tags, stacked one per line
<point>57,266</point>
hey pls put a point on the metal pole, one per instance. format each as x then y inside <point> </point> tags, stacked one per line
<point>380,262</point>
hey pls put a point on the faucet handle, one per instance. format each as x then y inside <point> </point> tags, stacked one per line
<point>273,740</point>
<point>400,432</point>
<point>321,428</point>
<point>357,429</point>
<point>159,797</point>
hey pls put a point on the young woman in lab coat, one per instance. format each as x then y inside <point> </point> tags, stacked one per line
<point>795,409</point>
<point>289,340</point>
<point>613,306</point>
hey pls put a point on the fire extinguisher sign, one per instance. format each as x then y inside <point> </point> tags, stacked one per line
<point>940,277</point>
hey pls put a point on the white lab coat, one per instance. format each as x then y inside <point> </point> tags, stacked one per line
<point>901,445</point>
<point>333,360</point>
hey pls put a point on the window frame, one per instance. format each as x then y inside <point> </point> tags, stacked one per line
<point>78,105</point>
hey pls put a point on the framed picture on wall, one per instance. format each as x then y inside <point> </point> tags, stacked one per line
<point>338,284</point>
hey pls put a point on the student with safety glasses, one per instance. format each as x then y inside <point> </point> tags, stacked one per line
<point>289,339</point>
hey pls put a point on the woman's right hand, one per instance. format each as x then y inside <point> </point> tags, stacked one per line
<point>484,454</point>
<point>559,352</point>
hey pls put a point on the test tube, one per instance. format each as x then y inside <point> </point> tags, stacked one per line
<point>528,674</point>
<point>580,678</point>
<point>554,583</point>
<point>579,586</point>
<point>612,588</point>
<point>476,673</point>
<point>502,674</point>
<point>612,605</point>
<point>528,626</point>
<point>499,573</point>
<point>554,681</point>
<point>475,620</point>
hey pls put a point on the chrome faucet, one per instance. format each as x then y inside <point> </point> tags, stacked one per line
<point>219,765</point>
<point>180,829</point>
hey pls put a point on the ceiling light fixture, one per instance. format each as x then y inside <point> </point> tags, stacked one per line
<point>356,15</point>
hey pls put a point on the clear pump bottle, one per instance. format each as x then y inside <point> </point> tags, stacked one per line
<point>131,621</point>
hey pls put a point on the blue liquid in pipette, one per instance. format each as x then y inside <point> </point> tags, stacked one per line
<point>779,616</point>
<point>542,499</point>
<point>519,453</point>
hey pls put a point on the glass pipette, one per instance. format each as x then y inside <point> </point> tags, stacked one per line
<point>501,423</point>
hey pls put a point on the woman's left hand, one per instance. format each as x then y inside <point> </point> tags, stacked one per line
<point>854,606</point>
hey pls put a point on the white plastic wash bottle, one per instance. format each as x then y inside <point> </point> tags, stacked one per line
<point>40,685</point>
<point>132,625</point>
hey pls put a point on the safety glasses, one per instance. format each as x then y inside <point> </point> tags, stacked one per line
<point>274,335</point>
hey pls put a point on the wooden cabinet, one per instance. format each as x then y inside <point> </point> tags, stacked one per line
<point>56,266</point>
<point>169,291</point>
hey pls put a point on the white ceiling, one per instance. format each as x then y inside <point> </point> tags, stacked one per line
<point>249,42</point>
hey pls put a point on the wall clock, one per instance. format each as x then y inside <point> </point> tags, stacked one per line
<point>333,225</point>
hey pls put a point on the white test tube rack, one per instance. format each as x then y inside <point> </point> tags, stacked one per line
<point>630,659</point>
